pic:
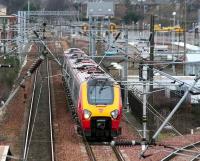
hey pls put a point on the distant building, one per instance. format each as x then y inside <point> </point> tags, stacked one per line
<point>3,10</point>
<point>170,94</point>
<point>86,1</point>
<point>7,31</point>
<point>162,1</point>
<point>100,9</point>
<point>134,2</point>
<point>199,17</point>
<point>192,69</point>
<point>192,56</point>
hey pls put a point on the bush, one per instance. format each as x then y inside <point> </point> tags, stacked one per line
<point>8,75</point>
<point>130,17</point>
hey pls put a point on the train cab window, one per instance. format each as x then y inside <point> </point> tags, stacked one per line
<point>100,94</point>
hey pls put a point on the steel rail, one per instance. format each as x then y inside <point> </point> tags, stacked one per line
<point>178,152</point>
<point>34,118</point>
<point>154,111</point>
<point>29,118</point>
<point>118,153</point>
<point>29,129</point>
<point>87,145</point>
<point>89,150</point>
<point>130,123</point>
<point>50,113</point>
<point>197,157</point>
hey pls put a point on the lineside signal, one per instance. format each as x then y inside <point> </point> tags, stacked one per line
<point>85,27</point>
<point>5,66</point>
<point>112,27</point>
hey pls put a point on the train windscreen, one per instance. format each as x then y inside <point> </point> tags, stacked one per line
<point>100,93</point>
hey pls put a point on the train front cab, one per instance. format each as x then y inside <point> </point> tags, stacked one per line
<point>100,109</point>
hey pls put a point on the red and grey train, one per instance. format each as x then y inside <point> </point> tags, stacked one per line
<point>95,94</point>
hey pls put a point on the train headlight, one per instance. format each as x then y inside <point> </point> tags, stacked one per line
<point>86,114</point>
<point>114,114</point>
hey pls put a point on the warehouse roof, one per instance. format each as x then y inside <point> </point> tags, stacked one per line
<point>100,9</point>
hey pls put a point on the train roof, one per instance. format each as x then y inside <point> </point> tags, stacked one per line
<point>84,67</point>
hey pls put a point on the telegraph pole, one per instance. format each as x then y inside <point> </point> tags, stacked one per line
<point>185,15</point>
<point>150,67</point>
<point>170,115</point>
<point>175,108</point>
<point>144,117</point>
<point>172,44</point>
<point>28,12</point>
<point>92,44</point>
<point>126,103</point>
<point>28,6</point>
<point>4,36</point>
<point>151,39</point>
<point>98,39</point>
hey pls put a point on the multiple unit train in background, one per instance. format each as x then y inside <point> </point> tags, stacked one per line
<point>95,95</point>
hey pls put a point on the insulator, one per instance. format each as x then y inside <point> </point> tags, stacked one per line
<point>124,143</point>
<point>22,83</point>
<point>35,65</point>
<point>44,24</point>
<point>73,113</point>
<point>117,36</point>
<point>74,116</point>
<point>76,119</point>
<point>85,27</point>
<point>112,27</point>
<point>36,34</point>
<point>153,142</point>
<point>141,71</point>
<point>144,118</point>
<point>5,66</point>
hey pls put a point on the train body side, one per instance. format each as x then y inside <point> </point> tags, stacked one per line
<point>97,100</point>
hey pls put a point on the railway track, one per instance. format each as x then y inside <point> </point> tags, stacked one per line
<point>102,152</point>
<point>39,133</point>
<point>94,155</point>
<point>118,154</point>
<point>189,152</point>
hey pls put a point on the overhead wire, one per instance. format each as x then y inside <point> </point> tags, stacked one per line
<point>191,141</point>
<point>101,60</point>
<point>182,154</point>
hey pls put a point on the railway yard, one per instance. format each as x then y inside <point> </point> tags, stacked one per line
<point>46,89</point>
<point>93,90</point>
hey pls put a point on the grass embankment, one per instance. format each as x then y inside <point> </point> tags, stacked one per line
<point>8,76</point>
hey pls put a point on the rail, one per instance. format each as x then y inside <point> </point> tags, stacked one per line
<point>87,144</point>
<point>180,151</point>
<point>39,126</point>
<point>30,115</point>
<point>118,154</point>
<point>89,150</point>
<point>50,114</point>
